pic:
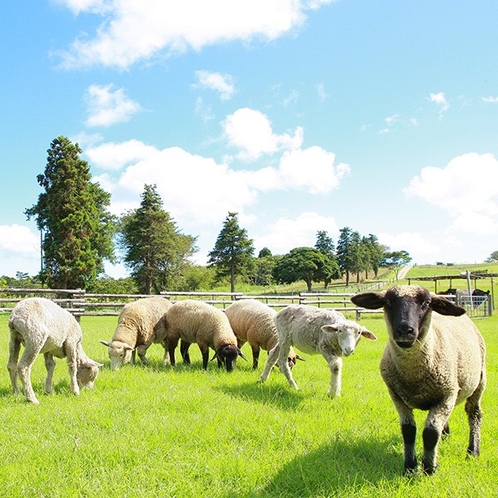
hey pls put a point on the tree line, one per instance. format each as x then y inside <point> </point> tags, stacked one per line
<point>79,234</point>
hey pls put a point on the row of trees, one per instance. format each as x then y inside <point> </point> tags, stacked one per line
<point>79,234</point>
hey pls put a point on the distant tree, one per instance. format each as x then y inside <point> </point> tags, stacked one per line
<point>375,254</point>
<point>395,260</point>
<point>154,248</point>
<point>325,245</point>
<point>347,249</point>
<point>262,271</point>
<point>233,251</point>
<point>73,217</point>
<point>302,263</point>
<point>493,257</point>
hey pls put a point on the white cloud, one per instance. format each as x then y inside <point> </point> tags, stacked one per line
<point>420,248</point>
<point>440,100</point>
<point>114,156</point>
<point>19,239</point>
<point>288,233</point>
<point>491,100</point>
<point>134,30</point>
<point>251,131</point>
<point>108,105</point>
<point>221,83</point>
<point>311,169</point>
<point>466,188</point>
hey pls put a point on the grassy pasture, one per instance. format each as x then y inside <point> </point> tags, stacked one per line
<point>155,431</point>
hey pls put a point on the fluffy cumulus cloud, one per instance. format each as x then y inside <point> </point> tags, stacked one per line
<point>133,30</point>
<point>108,105</point>
<point>221,83</point>
<point>466,189</point>
<point>19,239</point>
<point>288,233</point>
<point>251,132</point>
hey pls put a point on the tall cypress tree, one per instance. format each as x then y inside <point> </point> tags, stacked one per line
<point>233,251</point>
<point>72,214</point>
<point>155,249</point>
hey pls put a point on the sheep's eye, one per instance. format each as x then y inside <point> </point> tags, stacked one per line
<point>426,304</point>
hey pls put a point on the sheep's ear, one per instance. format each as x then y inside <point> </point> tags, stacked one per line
<point>329,328</point>
<point>444,306</point>
<point>370,300</point>
<point>128,347</point>
<point>215,356</point>
<point>299,358</point>
<point>369,335</point>
<point>105,343</point>
<point>241,354</point>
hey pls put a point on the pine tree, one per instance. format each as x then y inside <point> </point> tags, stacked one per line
<point>154,248</point>
<point>72,215</point>
<point>233,251</point>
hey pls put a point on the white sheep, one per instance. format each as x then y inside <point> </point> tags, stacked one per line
<point>140,324</point>
<point>315,331</point>
<point>199,322</point>
<point>432,362</point>
<point>254,322</point>
<point>44,327</point>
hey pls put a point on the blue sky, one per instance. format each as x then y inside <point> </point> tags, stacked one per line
<point>300,115</point>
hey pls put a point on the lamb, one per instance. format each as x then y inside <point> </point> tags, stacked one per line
<point>44,327</point>
<point>253,321</point>
<point>140,323</point>
<point>198,322</point>
<point>315,330</point>
<point>432,362</point>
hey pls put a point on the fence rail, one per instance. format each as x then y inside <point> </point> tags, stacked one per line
<point>80,303</point>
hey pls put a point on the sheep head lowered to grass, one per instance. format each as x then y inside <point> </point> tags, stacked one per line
<point>434,360</point>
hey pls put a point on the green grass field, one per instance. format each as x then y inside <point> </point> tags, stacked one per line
<point>158,431</point>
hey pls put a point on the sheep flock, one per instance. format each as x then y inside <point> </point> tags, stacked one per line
<point>434,358</point>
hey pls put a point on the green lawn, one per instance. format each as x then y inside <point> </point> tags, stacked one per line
<point>155,431</point>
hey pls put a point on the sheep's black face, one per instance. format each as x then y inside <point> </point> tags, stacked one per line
<point>407,308</point>
<point>228,356</point>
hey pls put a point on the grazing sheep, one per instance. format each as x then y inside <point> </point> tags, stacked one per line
<point>432,362</point>
<point>199,322</point>
<point>44,327</point>
<point>315,330</point>
<point>140,323</point>
<point>254,322</point>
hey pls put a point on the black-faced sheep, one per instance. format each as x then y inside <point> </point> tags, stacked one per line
<point>432,362</point>
<point>44,327</point>
<point>254,322</point>
<point>199,322</point>
<point>314,331</point>
<point>140,324</point>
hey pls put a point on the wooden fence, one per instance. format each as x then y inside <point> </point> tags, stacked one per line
<point>81,303</point>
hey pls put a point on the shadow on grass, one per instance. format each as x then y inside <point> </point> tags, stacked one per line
<point>337,469</point>
<point>266,394</point>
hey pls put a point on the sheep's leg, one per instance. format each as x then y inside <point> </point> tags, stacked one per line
<point>270,362</point>
<point>283,364</point>
<point>335,365</point>
<point>184,346</point>
<point>24,370</point>
<point>14,349</point>
<point>408,431</point>
<point>434,425</point>
<point>72,363</point>
<point>50,366</point>
<point>205,357</point>
<point>141,350</point>
<point>474,416</point>
<point>255,357</point>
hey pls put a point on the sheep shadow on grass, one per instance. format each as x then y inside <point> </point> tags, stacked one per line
<point>267,394</point>
<point>338,468</point>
